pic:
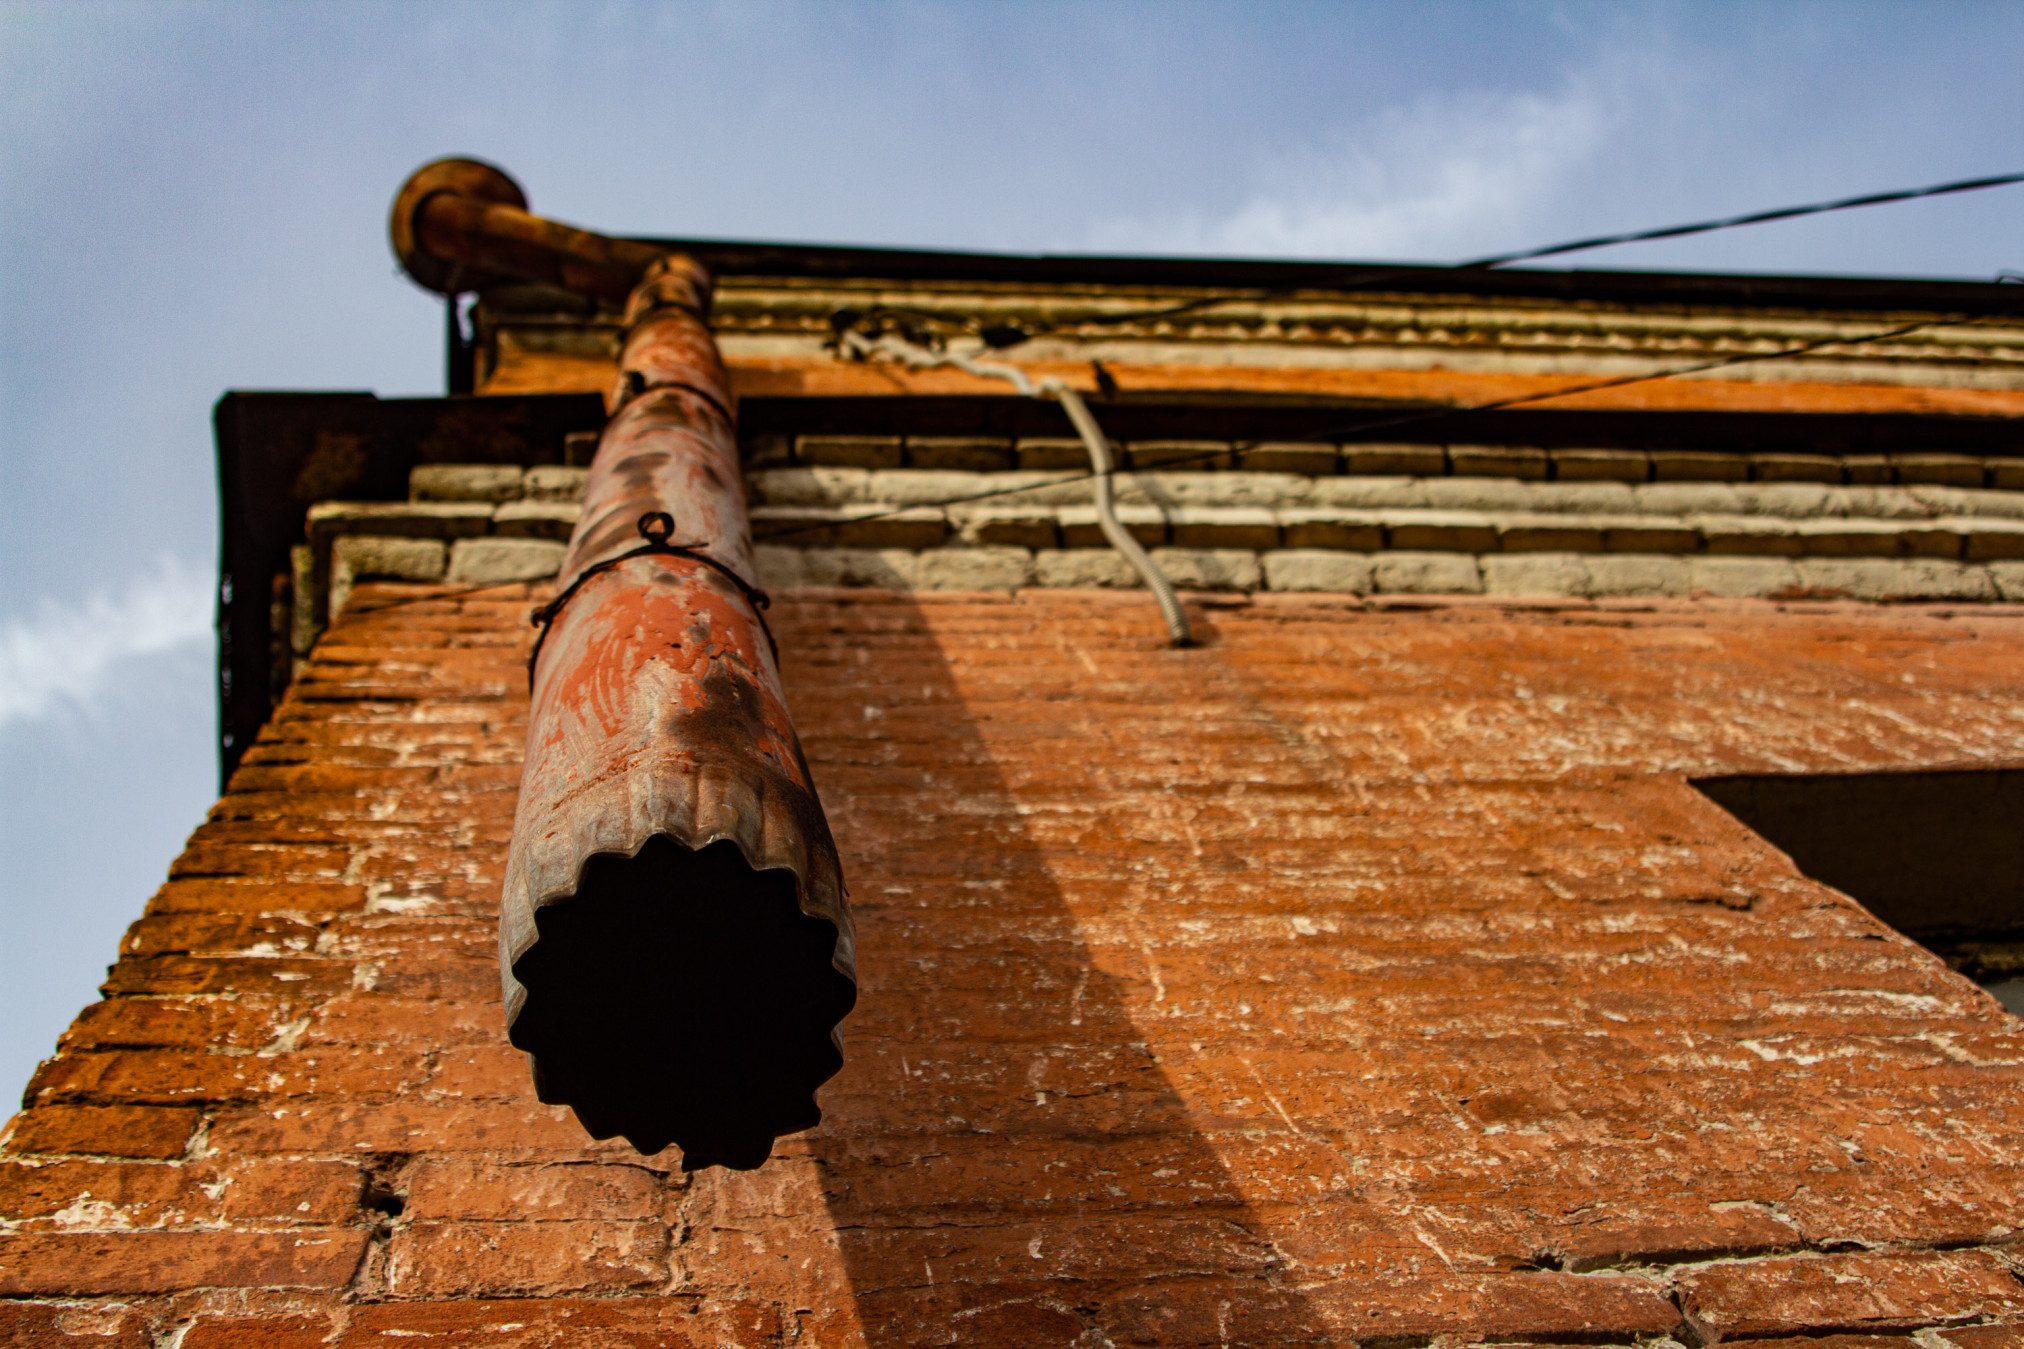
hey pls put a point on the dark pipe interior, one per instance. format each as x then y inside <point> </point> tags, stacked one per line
<point>682,997</point>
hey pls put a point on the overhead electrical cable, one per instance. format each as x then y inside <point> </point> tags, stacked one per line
<point>1011,334</point>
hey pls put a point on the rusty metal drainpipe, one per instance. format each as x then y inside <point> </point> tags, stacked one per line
<point>674,941</point>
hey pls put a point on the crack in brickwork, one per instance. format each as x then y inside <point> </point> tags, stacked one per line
<point>1364,978</point>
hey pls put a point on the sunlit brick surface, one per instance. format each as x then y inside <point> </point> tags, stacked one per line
<point>1365,976</point>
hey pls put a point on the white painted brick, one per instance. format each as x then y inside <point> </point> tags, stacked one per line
<point>1224,489</point>
<point>1602,498</point>
<point>1369,494</point>
<point>464,482</point>
<point>1898,578</point>
<point>1637,574</point>
<point>1083,567</point>
<point>1209,568</point>
<point>2008,578</point>
<point>1688,498</point>
<point>891,567</point>
<point>1426,574</point>
<point>973,569</point>
<point>809,486</point>
<point>1477,494</point>
<point>928,486</point>
<point>780,568</point>
<point>1946,500</point>
<point>1742,577</point>
<point>362,557</point>
<point>401,559</point>
<point>1316,569</point>
<point>554,482</point>
<point>1535,574</point>
<point>491,561</point>
<point>2006,505</point>
<point>1791,500</point>
<point>1893,503</point>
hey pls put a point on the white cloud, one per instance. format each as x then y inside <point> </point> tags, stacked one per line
<point>68,654</point>
<point>1447,175</point>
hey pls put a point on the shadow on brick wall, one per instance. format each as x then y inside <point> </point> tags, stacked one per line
<point>1003,1159</point>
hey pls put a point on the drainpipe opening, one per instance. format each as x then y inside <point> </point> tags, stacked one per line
<point>681,997</point>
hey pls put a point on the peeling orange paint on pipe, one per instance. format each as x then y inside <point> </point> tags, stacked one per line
<point>674,941</point>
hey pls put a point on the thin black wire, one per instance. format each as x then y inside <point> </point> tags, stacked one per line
<point>1326,432</point>
<point>656,527</point>
<point>1369,276</point>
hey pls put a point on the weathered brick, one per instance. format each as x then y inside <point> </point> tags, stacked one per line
<point>257,1332</point>
<point>1080,527</point>
<point>1331,527</point>
<point>1297,569</point>
<point>1385,459</point>
<point>848,451</point>
<point>73,1195</point>
<point>231,895</point>
<point>103,1130</point>
<point>1205,992</point>
<point>973,569</point>
<point>1311,458</point>
<point>1757,1299</point>
<point>121,1023</point>
<point>1496,461</point>
<point>1795,468</point>
<point>189,974</point>
<point>552,520</point>
<point>1699,466</point>
<point>1602,465</point>
<point>1181,454</point>
<point>96,1263</point>
<point>969,453</point>
<point>489,560</point>
<point>70,1325</point>
<point>264,1192</point>
<point>1426,573</point>
<point>554,482</point>
<point>407,1124</point>
<point>569,1323</point>
<point>464,482</point>
<point>471,1188</point>
<point>528,1259</point>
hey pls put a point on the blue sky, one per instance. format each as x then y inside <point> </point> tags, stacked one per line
<point>193,196</point>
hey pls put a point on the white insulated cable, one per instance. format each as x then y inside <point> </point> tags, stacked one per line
<point>855,344</point>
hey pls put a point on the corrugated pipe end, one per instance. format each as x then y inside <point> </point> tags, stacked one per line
<point>682,997</point>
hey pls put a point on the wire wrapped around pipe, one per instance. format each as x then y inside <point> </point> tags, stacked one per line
<point>1102,469</point>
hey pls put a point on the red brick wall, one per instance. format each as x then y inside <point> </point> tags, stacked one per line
<point>1363,976</point>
